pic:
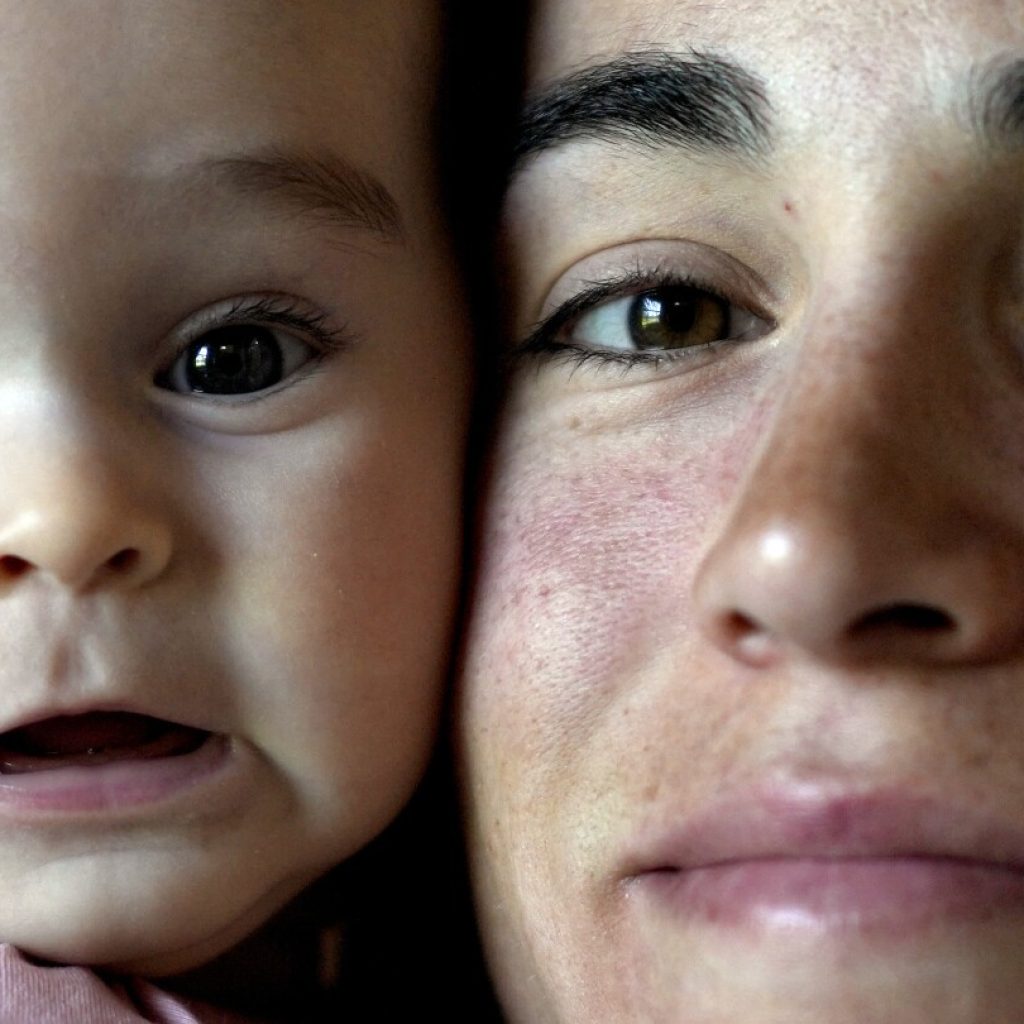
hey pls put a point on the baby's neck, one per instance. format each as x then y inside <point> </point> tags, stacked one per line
<point>284,971</point>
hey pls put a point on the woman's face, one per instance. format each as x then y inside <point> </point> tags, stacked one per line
<point>742,706</point>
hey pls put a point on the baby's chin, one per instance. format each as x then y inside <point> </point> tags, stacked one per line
<point>141,927</point>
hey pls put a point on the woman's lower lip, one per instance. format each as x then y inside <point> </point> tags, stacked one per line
<point>114,786</point>
<point>897,894</point>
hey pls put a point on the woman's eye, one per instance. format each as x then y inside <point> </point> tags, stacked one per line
<point>236,359</point>
<point>662,319</point>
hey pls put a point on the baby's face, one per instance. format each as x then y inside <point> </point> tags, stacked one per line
<point>232,398</point>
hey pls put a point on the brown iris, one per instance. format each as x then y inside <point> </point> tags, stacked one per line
<point>677,317</point>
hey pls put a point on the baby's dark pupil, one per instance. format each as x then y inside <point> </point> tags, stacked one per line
<point>233,360</point>
<point>676,317</point>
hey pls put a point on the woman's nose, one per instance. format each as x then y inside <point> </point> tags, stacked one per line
<point>871,525</point>
<point>77,517</point>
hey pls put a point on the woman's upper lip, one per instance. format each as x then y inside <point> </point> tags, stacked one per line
<point>820,821</point>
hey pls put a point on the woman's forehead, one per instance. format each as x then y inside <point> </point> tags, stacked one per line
<point>795,88</point>
<point>785,41</point>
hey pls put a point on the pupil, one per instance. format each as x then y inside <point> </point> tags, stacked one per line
<point>674,314</point>
<point>676,318</point>
<point>234,360</point>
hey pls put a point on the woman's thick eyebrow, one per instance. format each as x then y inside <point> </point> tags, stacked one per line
<point>652,98</point>
<point>996,103</point>
<point>323,186</point>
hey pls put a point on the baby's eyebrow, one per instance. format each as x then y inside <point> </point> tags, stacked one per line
<point>322,186</point>
<point>651,98</point>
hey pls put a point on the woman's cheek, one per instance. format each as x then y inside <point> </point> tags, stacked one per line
<point>589,544</point>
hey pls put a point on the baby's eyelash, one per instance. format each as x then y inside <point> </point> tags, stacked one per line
<point>285,311</point>
<point>244,349</point>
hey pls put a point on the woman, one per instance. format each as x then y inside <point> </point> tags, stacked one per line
<point>741,707</point>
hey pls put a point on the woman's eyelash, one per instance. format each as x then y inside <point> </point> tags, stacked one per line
<point>544,340</point>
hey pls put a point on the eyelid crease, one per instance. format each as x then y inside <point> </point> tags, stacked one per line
<point>666,259</point>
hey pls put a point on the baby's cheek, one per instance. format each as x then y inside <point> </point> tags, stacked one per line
<point>338,604</point>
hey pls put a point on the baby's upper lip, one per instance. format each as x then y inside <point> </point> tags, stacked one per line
<point>44,713</point>
<point>92,738</point>
<point>811,820</point>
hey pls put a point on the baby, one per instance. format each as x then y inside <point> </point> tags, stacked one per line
<point>233,389</point>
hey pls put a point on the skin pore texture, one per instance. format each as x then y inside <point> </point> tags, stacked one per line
<point>741,707</point>
<point>268,568</point>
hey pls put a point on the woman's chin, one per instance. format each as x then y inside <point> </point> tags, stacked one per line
<point>958,973</point>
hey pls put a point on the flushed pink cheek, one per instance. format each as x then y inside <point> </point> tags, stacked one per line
<point>587,557</point>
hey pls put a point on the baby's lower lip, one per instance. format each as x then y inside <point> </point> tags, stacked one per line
<point>887,894</point>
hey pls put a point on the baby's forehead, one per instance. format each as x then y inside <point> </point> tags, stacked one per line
<point>134,107</point>
<point>189,66</point>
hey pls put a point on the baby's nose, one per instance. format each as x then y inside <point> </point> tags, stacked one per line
<point>74,516</point>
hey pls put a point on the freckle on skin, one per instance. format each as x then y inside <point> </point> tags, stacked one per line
<point>788,206</point>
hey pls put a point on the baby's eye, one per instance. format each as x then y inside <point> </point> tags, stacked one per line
<point>235,359</point>
<point>662,319</point>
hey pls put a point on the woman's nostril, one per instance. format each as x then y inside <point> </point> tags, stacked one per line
<point>12,566</point>
<point>914,618</point>
<point>746,639</point>
<point>737,625</point>
<point>124,561</point>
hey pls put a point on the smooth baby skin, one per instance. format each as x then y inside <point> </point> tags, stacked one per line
<point>232,403</point>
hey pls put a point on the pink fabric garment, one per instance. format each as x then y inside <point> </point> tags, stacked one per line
<point>34,994</point>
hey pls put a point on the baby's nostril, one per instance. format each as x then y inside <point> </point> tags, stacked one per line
<point>12,566</point>
<point>124,560</point>
<point>916,618</point>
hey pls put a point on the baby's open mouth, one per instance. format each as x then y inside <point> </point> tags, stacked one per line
<point>93,739</point>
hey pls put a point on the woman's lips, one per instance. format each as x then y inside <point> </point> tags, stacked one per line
<point>832,895</point>
<point>807,859</point>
